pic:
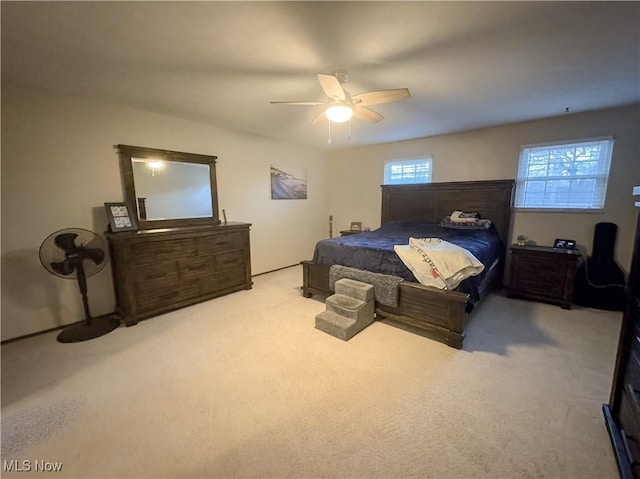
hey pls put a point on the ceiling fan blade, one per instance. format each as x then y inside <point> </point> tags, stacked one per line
<point>382,96</point>
<point>364,113</point>
<point>319,118</point>
<point>331,86</point>
<point>303,103</point>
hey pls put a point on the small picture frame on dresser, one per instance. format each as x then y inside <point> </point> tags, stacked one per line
<point>120,217</point>
<point>356,226</point>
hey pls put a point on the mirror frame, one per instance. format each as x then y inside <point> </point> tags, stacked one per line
<point>128,152</point>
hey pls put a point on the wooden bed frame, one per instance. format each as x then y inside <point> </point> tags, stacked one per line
<point>427,310</point>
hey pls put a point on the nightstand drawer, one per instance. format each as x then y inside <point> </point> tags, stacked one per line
<point>551,288</point>
<point>544,276</point>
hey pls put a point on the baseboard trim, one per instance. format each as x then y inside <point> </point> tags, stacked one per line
<point>38,333</point>
<point>274,270</point>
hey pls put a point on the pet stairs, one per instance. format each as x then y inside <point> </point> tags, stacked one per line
<point>348,311</point>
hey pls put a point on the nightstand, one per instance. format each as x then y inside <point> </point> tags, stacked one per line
<point>543,273</point>
<point>350,232</point>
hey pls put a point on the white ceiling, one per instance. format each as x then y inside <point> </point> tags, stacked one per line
<point>467,64</point>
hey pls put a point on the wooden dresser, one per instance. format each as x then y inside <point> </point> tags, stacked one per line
<point>159,270</point>
<point>622,414</point>
<point>543,274</point>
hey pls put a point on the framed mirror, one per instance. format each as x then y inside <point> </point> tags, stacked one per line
<point>169,188</point>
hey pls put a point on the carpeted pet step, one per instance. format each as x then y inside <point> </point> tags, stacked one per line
<point>339,326</point>
<point>354,289</point>
<point>348,311</point>
<point>345,305</point>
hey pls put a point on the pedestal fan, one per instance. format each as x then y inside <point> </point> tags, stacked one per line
<point>76,253</point>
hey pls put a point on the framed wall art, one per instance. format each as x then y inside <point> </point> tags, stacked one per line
<point>288,183</point>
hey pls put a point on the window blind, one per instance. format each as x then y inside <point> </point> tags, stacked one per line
<point>564,176</point>
<point>404,172</point>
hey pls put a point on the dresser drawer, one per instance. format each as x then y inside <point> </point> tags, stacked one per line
<point>160,284</point>
<point>161,296</point>
<point>230,260</point>
<point>632,380</point>
<point>154,251</point>
<point>195,268</point>
<point>219,243</point>
<point>206,265</point>
<point>213,283</point>
<point>634,311</point>
<point>156,274</point>
<point>630,430</point>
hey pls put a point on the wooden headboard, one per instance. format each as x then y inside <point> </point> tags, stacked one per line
<point>431,202</point>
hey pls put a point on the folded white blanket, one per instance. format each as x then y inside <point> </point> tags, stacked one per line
<point>460,217</point>
<point>438,263</point>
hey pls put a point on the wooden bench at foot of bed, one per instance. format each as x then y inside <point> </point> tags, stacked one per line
<point>439,314</point>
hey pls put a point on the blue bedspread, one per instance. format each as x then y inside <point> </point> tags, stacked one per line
<point>373,251</point>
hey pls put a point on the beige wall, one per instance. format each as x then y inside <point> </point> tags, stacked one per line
<point>59,166</point>
<point>492,153</point>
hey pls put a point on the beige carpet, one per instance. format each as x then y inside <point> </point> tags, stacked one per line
<point>245,386</point>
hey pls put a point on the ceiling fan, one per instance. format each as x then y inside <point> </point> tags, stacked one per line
<point>341,105</point>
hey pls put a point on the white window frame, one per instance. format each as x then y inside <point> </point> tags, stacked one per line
<point>555,197</point>
<point>407,163</point>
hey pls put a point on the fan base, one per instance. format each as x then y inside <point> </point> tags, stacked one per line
<point>84,331</point>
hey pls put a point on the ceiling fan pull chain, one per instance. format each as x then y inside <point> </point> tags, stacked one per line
<point>329,140</point>
<point>349,130</point>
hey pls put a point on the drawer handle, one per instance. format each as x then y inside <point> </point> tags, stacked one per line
<point>156,276</point>
<point>170,295</point>
<point>633,392</point>
<point>625,442</point>
<point>199,267</point>
<point>167,250</point>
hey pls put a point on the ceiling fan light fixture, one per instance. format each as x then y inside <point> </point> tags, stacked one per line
<point>339,113</point>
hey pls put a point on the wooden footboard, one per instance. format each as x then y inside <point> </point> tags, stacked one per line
<point>315,279</point>
<point>439,314</point>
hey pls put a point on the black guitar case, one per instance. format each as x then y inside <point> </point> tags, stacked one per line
<point>600,282</point>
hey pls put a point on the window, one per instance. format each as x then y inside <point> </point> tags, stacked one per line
<point>405,172</point>
<point>564,176</point>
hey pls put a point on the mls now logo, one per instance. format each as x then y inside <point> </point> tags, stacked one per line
<point>28,466</point>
